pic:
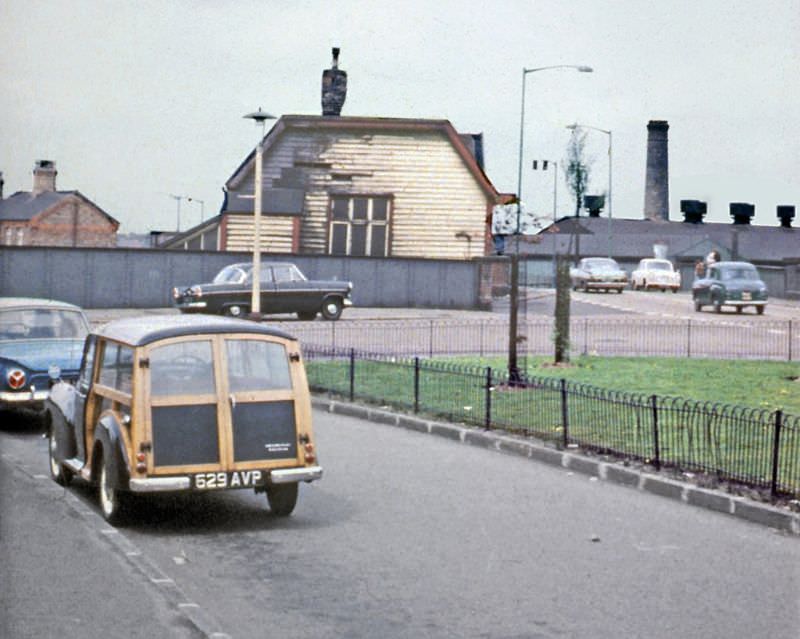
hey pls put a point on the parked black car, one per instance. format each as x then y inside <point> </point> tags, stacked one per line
<point>284,289</point>
<point>734,284</point>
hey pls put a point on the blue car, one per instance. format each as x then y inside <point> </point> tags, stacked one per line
<point>40,341</point>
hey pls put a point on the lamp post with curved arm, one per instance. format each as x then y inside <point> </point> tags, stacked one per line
<point>259,117</point>
<point>513,369</point>
<point>575,126</point>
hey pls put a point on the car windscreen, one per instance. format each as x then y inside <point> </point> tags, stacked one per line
<point>748,273</point>
<point>601,265</point>
<point>658,266</point>
<point>42,323</point>
<point>230,275</point>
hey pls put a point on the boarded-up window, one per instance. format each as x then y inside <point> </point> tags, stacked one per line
<point>359,225</point>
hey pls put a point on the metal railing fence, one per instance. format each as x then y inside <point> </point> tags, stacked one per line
<point>753,447</point>
<point>767,340</point>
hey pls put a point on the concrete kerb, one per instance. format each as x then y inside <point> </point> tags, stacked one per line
<point>740,507</point>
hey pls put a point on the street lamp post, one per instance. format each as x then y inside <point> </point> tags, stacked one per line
<point>610,207</point>
<point>178,199</point>
<point>259,117</point>
<point>202,207</point>
<point>513,368</point>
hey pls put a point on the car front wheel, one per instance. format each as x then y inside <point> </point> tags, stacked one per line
<point>717,306</point>
<point>760,309</point>
<point>282,498</point>
<point>332,308</point>
<point>697,305</point>
<point>234,310</point>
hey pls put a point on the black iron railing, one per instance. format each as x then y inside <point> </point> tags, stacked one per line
<point>754,447</point>
<point>734,338</point>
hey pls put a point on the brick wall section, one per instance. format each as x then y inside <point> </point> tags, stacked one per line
<point>73,222</point>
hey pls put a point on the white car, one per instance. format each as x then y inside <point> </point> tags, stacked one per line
<point>656,273</point>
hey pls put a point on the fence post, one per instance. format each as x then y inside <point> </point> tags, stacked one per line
<point>790,340</point>
<point>416,384</point>
<point>585,336</point>
<point>488,416</point>
<point>430,340</point>
<point>481,338</point>
<point>688,338</point>
<point>333,336</point>
<point>352,374</point>
<point>776,449</point>
<point>564,412</point>
<point>656,444</point>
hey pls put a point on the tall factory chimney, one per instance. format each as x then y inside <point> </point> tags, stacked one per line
<point>334,87</point>
<point>656,189</point>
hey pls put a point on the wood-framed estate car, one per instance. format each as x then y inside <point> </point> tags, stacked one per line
<point>41,340</point>
<point>183,404</point>
<point>284,289</point>
<point>736,284</point>
<point>598,274</point>
<point>657,274</point>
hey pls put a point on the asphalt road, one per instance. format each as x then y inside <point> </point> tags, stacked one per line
<point>407,535</point>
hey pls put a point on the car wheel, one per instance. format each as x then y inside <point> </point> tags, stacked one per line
<point>234,311</point>
<point>306,317</point>
<point>282,498</point>
<point>113,501</point>
<point>739,309</point>
<point>58,473</point>
<point>717,306</point>
<point>332,308</point>
<point>697,305</point>
<point>674,290</point>
<point>760,309</point>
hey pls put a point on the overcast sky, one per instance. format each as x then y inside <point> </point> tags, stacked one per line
<point>135,101</point>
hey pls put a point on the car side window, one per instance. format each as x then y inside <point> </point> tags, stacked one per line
<point>266,274</point>
<point>282,273</point>
<point>117,367</point>
<point>256,365</point>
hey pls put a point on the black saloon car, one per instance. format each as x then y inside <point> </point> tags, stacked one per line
<point>734,284</point>
<point>284,289</point>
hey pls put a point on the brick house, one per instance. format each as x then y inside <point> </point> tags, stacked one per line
<point>47,217</point>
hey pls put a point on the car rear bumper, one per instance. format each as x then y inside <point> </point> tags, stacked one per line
<point>744,303</point>
<point>603,285</point>
<point>184,482</point>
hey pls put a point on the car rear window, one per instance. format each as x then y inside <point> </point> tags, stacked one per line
<point>183,368</point>
<point>256,365</point>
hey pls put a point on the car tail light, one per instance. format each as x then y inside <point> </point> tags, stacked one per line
<point>15,378</point>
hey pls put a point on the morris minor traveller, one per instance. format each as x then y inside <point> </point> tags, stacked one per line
<point>184,404</point>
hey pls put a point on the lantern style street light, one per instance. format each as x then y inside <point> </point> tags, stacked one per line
<point>576,126</point>
<point>259,117</point>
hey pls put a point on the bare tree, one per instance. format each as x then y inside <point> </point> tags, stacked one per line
<point>577,167</point>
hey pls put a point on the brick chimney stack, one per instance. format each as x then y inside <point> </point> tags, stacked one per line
<point>334,87</point>
<point>44,176</point>
<point>656,190</point>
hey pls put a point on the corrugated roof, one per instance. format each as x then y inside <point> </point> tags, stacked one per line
<point>634,238</point>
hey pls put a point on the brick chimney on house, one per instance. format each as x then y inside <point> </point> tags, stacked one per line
<point>656,189</point>
<point>44,176</point>
<point>334,87</point>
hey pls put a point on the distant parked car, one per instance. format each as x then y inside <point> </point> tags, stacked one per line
<point>284,289</point>
<point>598,274</point>
<point>40,341</point>
<point>194,404</point>
<point>734,284</point>
<point>656,273</point>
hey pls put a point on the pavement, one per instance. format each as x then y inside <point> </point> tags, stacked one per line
<point>784,519</point>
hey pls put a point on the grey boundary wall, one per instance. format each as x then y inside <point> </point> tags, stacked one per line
<point>756,512</point>
<point>143,278</point>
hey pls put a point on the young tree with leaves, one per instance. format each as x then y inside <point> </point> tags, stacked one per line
<point>577,168</point>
